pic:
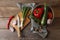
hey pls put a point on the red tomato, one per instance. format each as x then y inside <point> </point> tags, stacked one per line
<point>38,12</point>
<point>50,15</point>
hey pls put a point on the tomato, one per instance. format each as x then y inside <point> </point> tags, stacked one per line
<point>38,12</point>
<point>50,15</point>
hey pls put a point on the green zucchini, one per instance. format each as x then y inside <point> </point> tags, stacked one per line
<point>44,17</point>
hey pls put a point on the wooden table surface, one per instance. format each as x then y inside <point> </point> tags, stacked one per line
<point>9,8</point>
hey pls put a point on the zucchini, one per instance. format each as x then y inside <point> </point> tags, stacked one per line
<point>44,17</point>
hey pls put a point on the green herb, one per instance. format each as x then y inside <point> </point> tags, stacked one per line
<point>25,11</point>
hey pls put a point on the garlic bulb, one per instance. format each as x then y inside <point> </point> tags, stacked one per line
<point>49,21</point>
<point>11,29</point>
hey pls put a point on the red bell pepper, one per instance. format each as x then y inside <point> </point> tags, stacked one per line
<point>10,18</point>
<point>38,12</point>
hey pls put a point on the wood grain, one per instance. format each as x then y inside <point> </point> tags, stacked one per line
<point>8,11</point>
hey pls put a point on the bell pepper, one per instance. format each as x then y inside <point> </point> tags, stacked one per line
<point>10,18</point>
<point>38,12</point>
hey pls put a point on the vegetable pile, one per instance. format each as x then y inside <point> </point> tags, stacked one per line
<point>41,14</point>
